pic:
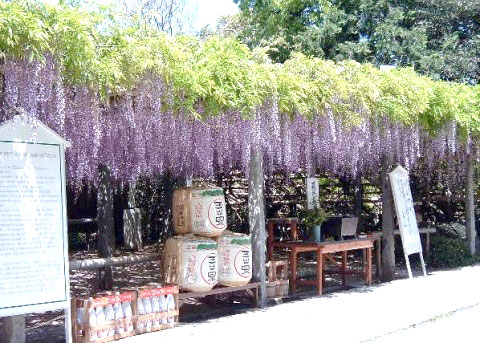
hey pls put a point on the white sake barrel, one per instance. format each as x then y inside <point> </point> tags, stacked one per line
<point>199,211</point>
<point>234,259</point>
<point>191,262</point>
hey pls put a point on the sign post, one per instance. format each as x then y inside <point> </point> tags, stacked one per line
<point>313,193</point>
<point>407,221</point>
<point>33,224</point>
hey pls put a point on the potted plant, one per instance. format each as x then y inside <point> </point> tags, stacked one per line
<point>313,219</point>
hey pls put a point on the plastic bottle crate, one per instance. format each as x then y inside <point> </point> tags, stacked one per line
<point>87,330</point>
<point>160,317</point>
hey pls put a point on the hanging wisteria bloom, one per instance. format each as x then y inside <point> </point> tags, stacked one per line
<point>137,133</point>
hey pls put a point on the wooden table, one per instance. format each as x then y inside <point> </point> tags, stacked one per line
<point>323,249</point>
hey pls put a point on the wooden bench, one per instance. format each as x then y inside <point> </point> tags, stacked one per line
<point>251,289</point>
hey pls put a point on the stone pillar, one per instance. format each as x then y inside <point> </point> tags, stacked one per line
<point>132,228</point>
<point>132,222</point>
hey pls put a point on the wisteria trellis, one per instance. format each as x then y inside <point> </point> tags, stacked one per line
<point>135,135</point>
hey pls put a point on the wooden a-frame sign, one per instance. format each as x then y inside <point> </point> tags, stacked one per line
<point>34,276</point>
<point>407,221</point>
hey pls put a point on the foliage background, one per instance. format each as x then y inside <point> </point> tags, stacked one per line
<point>96,48</point>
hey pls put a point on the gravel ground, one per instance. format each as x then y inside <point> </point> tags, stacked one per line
<point>49,326</point>
<point>365,307</point>
<point>358,315</point>
<point>455,326</point>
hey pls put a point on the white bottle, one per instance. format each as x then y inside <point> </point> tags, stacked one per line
<point>141,311</point>
<point>171,307</point>
<point>127,313</point>
<point>110,317</point>
<point>147,304</point>
<point>92,322</point>
<point>163,308</point>
<point>100,314</point>
<point>80,319</point>
<point>156,310</point>
<point>80,315</point>
<point>118,314</point>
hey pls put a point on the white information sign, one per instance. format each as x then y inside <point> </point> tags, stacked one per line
<point>313,193</point>
<point>33,234</point>
<point>31,226</point>
<point>407,221</point>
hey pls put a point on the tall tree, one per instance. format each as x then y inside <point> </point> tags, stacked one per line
<point>453,29</point>
<point>438,37</point>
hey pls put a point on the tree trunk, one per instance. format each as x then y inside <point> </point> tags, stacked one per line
<point>470,205</point>
<point>256,216</point>
<point>106,229</point>
<point>388,224</point>
<point>14,328</point>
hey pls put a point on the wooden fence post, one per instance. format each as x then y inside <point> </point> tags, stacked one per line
<point>106,230</point>
<point>256,216</point>
<point>388,224</point>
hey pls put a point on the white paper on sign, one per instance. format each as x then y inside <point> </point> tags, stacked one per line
<point>313,195</point>
<point>34,275</point>
<point>31,231</point>
<point>407,221</point>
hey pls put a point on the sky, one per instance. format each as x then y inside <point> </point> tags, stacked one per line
<point>202,12</point>
<point>208,11</point>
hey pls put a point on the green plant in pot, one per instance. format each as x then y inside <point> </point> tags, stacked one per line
<point>313,219</point>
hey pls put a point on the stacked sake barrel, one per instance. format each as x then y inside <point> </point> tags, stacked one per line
<point>192,257</point>
<point>235,259</point>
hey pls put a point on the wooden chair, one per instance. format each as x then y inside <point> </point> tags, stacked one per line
<point>280,229</point>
